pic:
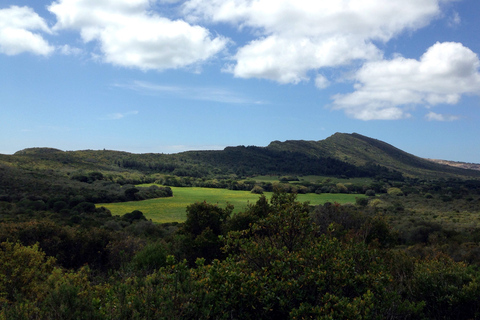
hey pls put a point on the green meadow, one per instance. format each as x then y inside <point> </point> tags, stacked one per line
<point>173,209</point>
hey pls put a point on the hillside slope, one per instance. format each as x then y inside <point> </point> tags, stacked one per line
<point>360,150</point>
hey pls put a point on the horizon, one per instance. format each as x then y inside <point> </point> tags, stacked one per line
<point>220,149</point>
<point>170,76</point>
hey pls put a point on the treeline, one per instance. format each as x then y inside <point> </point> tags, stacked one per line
<point>279,259</point>
<point>290,184</point>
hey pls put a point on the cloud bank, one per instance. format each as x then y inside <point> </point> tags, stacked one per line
<point>296,36</point>
<point>130,34</point>
<point>386,89</point>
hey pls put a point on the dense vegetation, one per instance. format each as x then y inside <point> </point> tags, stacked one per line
<point>409,248</point>
<point>277,260</point>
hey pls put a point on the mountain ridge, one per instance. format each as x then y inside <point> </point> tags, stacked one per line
<point>358,149</point>
<point>355,154</point>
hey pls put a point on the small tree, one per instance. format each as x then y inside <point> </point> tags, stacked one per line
<point>202,215</point>
<point>205,222</point>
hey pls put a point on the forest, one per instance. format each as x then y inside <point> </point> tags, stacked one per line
<point>407,248</point>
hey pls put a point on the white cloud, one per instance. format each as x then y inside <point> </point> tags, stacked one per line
<point>17,26</point>
<point>296,36</point>
<point>387,89</point>
<point>131,35</point>
<point>432,116</point>
<point>288,60</point>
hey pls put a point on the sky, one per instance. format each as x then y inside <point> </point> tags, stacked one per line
<point>166,76</point>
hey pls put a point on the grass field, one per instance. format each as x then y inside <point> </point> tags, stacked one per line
<point>173,209</point>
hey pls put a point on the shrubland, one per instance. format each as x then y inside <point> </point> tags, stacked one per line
<point>278,259</point>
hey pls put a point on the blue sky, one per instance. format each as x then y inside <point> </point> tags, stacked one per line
<point>167,76</point>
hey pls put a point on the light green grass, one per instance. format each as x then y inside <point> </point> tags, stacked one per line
<point>173,209</point>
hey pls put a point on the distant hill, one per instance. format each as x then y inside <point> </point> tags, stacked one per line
<point>345,155</point>
<point>360,150</point>
<point>458,164</point>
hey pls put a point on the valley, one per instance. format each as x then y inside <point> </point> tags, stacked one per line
<point>342,228</point>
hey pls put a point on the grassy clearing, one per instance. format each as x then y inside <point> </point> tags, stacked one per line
<point>172,209</point>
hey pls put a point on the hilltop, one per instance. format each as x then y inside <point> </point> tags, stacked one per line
<point>360,150</point>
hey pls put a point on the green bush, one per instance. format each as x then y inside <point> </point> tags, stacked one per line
<point>152,257</point>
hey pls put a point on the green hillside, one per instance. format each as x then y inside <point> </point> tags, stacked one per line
<point>360,150</point>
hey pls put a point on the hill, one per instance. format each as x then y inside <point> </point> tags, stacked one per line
<point>360,150</point>
<point>458,164</point>
<point>105,175</point>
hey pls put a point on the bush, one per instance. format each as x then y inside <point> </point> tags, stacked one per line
<point>134,216</point>
<point>395,191</point>
<point>257,190</point>
<point>152,257</point>
<point>23,272</point>
<point>362,202</point>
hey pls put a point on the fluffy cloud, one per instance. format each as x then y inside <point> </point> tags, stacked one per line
<point>289,60</point>
<point>131,35</point>
<point>387,89</point>
<point>17,26</point>
<point>295,36</point>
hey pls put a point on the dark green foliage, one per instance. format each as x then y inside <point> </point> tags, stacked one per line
<point>59,206</point>
<point>365,226</point>
<point>152,257</point>
<point>84,207</point>
<point>279,267</point>
<point>87,178</point>
<point>135,215</point>
<point>244,220</point>
<point>130,193</point>
<point>345,217</point>
<point>255,160</point>
<point>204,224</point>
<point>68,302</point>
<point>202,215</point>
<point>362,202</point>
